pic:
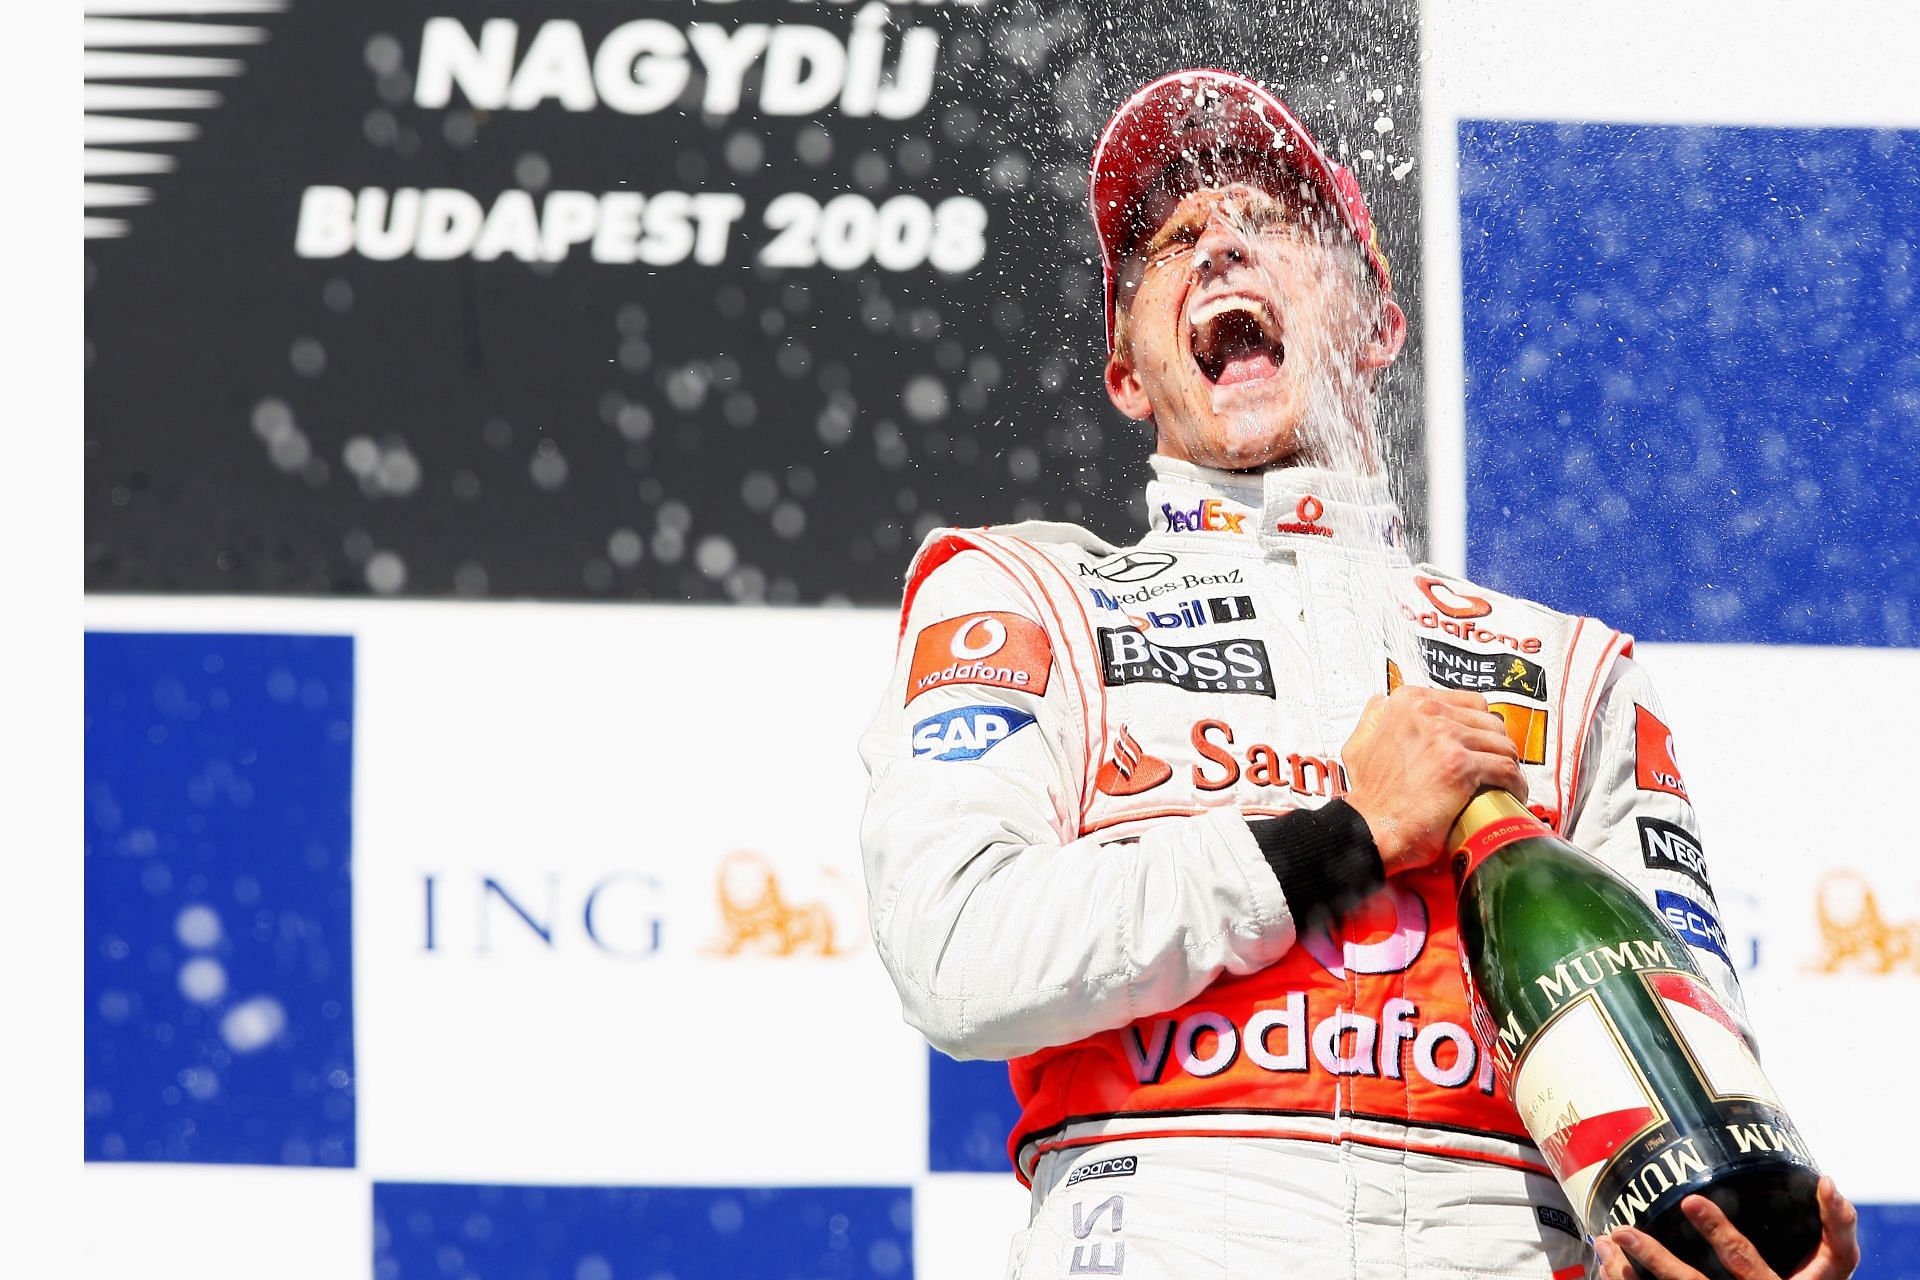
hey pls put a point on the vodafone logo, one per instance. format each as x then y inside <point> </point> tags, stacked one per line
<point>1306,518</point>
<point>1392,925</point>
<point>1453,603</point>
<point>1002,650</point>
<point>1654,766</point>
<point>992,635</point>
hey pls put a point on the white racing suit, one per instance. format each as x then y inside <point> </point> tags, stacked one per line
<point>1216,1077</point>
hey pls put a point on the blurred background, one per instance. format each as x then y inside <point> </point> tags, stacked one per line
<point>507,425</point>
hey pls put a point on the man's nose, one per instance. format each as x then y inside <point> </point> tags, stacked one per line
<point>1220,249</point>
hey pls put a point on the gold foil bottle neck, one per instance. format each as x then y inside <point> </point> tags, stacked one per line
<point>1485,809</point>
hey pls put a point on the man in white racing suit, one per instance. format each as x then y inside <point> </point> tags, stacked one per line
<point>1160,825</point>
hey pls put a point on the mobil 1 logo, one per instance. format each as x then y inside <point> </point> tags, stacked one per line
<point>1458,668</point>
<point>1224,666</point>
<point>1665,847</point>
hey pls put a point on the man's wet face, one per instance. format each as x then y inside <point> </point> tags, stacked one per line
<point>1245,320</point>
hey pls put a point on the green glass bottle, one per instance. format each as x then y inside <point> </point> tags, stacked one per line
<point>1631,1077</point>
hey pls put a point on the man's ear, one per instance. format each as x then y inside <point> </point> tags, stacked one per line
<point>1389,335</point>
<point>1124,389</point>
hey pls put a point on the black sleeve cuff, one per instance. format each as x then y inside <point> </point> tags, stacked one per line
<point>1324,858</point>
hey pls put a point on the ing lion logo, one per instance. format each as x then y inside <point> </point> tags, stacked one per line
<point>757,920</point>
<point>1856,936</point>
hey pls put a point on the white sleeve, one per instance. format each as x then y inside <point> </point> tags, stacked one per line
<point>1632,812</point>
<point>1004,931</point>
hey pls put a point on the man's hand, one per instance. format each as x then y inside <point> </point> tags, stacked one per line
<point>1839,1253</point>
<point>1415,759</point>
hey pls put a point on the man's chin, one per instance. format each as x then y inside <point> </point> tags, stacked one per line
<point>1254,437</point>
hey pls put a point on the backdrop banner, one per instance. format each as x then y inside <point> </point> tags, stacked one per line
<point>674,301</point>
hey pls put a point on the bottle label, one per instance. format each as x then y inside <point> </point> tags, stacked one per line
<point>1482,844</point>
<point>1614,1147</point>
<point>1581,1096</point>
<point>1712,1040</point>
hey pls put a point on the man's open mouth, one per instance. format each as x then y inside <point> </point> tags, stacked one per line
<point>1235,339</point>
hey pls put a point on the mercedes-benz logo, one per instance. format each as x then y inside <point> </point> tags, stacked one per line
<point>1134,566</point>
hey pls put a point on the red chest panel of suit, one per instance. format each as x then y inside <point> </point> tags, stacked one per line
<point>1367,1018</point>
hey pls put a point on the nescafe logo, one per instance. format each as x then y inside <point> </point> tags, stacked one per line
<point>1455,604</point>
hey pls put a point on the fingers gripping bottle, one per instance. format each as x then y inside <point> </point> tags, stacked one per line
<point>1630,1076</point>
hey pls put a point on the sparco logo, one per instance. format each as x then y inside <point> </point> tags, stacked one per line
<point>1134,566</point>
<point>1665,847</point>
<point>1111,1167</point>
<point>1225,666</point>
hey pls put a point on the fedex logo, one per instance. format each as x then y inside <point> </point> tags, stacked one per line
<point>1211,516</point>
<point>966,733</point>
<point>1693,922</point>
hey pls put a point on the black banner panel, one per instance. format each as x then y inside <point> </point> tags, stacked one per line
<point>669,301</point>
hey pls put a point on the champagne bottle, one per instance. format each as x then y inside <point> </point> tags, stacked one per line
<point>1632,1078</point>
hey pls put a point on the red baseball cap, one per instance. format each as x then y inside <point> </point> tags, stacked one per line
<point>1203,110</point>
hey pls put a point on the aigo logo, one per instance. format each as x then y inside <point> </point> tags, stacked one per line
<point>1001,650</point>
<point>1454,603</point>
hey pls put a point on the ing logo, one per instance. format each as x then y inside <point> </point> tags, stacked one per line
<point>756,919</point>
<point>1855,937</point>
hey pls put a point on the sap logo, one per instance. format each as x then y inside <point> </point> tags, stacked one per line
<point>1211,516</point>
<point>1134,566</point>
<point>966,733</point>
<point>1225,666</point>
<point>1694,923</point>
<point>617,913</point>
<point>1665,847</point>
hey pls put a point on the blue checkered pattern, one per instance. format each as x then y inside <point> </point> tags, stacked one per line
<point>1693,377</point>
